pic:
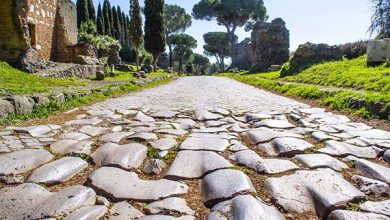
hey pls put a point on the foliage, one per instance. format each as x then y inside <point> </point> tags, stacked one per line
<point>176,20</point>
<point>182,47</point>
<point>231,14</point>
<point>154,28</point>
<point>107,17</point>
<point>91,11</point>
<point>14,81</point>
<point>217,44</point>
<point>100,21</point>
<point>82,12</point>
<point>380,21</point>
<point>102,43</point>
<point>201,62</point>
<point>135,28</point>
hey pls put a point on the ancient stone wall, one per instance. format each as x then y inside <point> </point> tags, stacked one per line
<point>243,55</point>
<point>270,44</point>
<point>14,37</point>
<point>378,51</point>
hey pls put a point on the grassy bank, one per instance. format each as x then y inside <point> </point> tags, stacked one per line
<point>338,85</point>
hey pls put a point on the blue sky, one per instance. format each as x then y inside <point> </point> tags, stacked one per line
<point>317,21</point>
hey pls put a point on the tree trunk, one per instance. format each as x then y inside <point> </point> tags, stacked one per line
<point>180,66</point>
<point>170,55</point>
<point>223,63</point>
<point>232,44</point>
<point>137,58</point>
<point>155,59</point>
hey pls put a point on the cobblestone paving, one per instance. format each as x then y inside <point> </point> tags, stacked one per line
<point>198,148</point>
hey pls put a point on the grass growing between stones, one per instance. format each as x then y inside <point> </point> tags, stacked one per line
<point>347,81</point>
<point>54,107</point>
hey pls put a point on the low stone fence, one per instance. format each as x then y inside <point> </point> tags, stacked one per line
<point>26,104</point>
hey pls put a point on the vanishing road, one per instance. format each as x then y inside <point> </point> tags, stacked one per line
<point>197,148</point>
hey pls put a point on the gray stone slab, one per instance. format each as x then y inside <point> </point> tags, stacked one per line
<point>167,217</point>
<point>285,147</point>
<point>373,170</point>
<point>124,211</point>
<point>144,137</point>
<point>223,185</point>
<point>169,205</point>
<point>321,161</point>
<point>31,201</point>
<point>382,207</point>
<point>22,161</point>
<point>319,191</point>
<point>262,135</point>
<point>215,123</point>
<point>95,131</point>
<point>354,215</point>
<point>321,136</point>
<point>115,137</point>
<point>164,114</point>
<point>253,161</point>
<point>176,132</point>
<point>257,116</point>
<point>88,213</point>
<point>203,115</point>
<point>272,123</point>
<point>373,134</point>
<point>211,143</point>
<point>184,123</point>
<point>164,143</point>
<point>195,164</point>
<point>244,207</point>
<point>140,116</point>
<point>361,142</point>
<point>58,171</point>
<point>154,166</point>
<point>74,136</point>
<point>342,149</point>
<point>237,146</point>
<point>35,131</point>
<point>67,146</point>
<point>92,121</point>
<point>371,186</point>
<point>386,156</point>
<point>125,156</point>
<point>114,183</point>
<point>311,110</point>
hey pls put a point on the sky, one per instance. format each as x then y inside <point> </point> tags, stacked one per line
<point>317,21</point>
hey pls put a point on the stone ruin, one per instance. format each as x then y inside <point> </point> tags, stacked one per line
<point>37,31</point>
<point>242,53</point>
<point>270,44</point>
<point>378,52</point>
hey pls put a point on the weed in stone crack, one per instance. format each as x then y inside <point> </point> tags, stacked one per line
<point>153,153</point>
<point>241,168</point>
<point>313,149</point>
<point>354,206</point>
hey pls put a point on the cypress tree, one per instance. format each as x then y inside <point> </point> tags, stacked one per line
<point>154,28</point>
<point>106,17</point>
<point>91,11</point>
<point>135,27</point>
<point>114,26</point>
<point>111,19</point>
<point>100,21</point>
<point>82,12</point>
<point>120,22</point>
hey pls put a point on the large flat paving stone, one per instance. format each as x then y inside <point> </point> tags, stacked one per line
<point>244,207</point>
<point>318,191</point>
<point>67,146</point>
<point>170,205</point>
<point>115,137</point>
<point>272,123</point>
<point>143,136</point>
<point>210,143</point>
<point>124,211</point>
<point>373,170</point>
<point>195,164</point>
<point>342,149</point>
<point>58,171</point>
<point>167,217</point>
<point>371,186</point>
<point>35,131</point>
<point>164,143</point>
<point>373,134</point>
<point>203,115</point>
<point>22,161</point>
<point>92,121</point>
<point>74,136</point>
<point>252,160</point>
<point>223,185</point>
<point>354,215</point>
<point>321,161</point>
<point>262,135</point>
<point>140,116</point>
<point>382,207</point>
<point>114,183</point>
<point>88,213</point>
<point>286,146</point>
<point>31,201</point>
<point>125,156</point>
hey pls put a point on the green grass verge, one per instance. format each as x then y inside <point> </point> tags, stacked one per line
<point>54,107</point>
<point>17,82</point>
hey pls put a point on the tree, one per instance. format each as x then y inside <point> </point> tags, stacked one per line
<point>135,28</point>
<point>91,11</point>
<point>115,24</point>
<point>154,29</point>
<point>380,21</point>
<point>176,20</point>
<point>201,62</point>
<point>106,17</point>
<point>82,12</point>
<point>232,14</point>
<point>100,21</point>
<point>182,47</point>
<point>217,44</point>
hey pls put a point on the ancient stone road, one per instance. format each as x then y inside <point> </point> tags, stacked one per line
<point>197,148</point>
